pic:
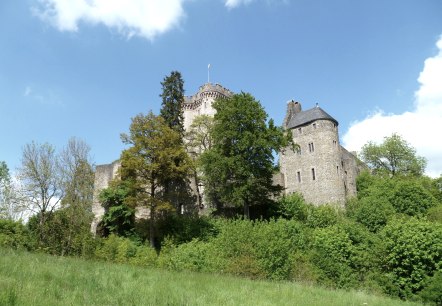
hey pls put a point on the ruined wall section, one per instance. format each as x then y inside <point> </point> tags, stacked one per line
<point>103,175</point>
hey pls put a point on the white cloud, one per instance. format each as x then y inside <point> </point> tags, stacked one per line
<point>235,3</point>
<point>420,127</point>
<point>145,18</point>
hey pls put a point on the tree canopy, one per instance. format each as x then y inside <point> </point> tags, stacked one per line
<point>393,157</point>
<point>172,101</point>
<point>239,166</point>
<point>151,161</point>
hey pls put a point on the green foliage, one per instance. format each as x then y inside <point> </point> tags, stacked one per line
<point>119,218</point>
<point>59,238</point>
<point>183,228</point>
<point>435,213</point>
<point>332,253</point>
<point>393,157</point>
<point>238,169</point>
<point>322,216</point>
<point>411,198</point>
<point>155,158</point>
<point>293,206</point>
<point>172,101</point>
<point>123,250</point>
<point>413,252</point>
<point>432,292</point>
<point>14,235</point>
<point>371,211</point>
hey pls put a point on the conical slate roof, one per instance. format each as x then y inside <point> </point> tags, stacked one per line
<point>310,115</point>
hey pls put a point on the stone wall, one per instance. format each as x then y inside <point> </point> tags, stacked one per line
<point>103,175</point>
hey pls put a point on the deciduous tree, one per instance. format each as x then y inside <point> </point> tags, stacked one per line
<point>41,180</point>
<point>393,157</point>
<point>239,167</point>
<point>151,161</point>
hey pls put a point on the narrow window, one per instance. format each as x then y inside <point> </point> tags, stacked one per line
<point>299,176</point>
<point>335,143</point>
<point>337,169</point>
<point>313,174</point>
<point>314,125</point>
<point>299,130</point>
<point>311,147</point>
<point>299,151</point>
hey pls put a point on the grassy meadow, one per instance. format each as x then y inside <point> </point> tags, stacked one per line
<point>39,279</point>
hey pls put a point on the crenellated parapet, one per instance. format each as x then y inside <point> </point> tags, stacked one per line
<point>206,92</point>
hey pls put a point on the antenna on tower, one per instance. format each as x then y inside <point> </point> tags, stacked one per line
<point>208,73</point>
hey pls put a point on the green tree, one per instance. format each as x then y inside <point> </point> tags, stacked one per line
<point>393,157</point>
<point>176,190</point>
<point>199,136</point>
<point>119,217</point>
<point>150,162</point>
<point>173,99</point>
<point>77,181</point>
<point>41,180</point>
<point>238,169</point>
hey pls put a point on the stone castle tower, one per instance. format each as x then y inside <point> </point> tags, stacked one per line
<point>321,170</point>
<point>201,102</point>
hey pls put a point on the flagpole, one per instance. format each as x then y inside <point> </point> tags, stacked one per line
<point>208,73</point>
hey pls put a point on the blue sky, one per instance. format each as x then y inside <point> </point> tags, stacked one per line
<point>83,68</point>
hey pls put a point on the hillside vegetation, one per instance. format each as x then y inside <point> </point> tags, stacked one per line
<point>38,279</point>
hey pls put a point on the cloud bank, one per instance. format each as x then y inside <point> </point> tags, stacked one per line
<point>145,18</point>
<point>422,127</point>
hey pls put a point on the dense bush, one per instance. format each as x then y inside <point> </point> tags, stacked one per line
<point>413,253</point>
<point>411,198</point>
<point>124,250</point>
<point>371,211</point>
<point>293,206</point>
<point>15,235</point>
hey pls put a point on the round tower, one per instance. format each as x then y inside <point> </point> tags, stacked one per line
<point>315,170</point>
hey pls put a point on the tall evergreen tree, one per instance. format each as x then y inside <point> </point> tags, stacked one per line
<point>173,99</point>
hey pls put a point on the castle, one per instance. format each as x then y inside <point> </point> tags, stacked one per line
<point>321,169</point>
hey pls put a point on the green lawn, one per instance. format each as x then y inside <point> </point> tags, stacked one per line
<point>37,279</point>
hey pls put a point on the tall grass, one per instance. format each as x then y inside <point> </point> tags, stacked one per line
<point>38,279</point>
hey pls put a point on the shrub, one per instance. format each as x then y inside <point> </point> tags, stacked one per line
<point>432,292</point>
<point>332,254</point>
<point>293,206</point>
<point>411,198</point>
<point>413,252</point>
<point>14,235</point>
<point>372,211</point>
<point>322,216</point>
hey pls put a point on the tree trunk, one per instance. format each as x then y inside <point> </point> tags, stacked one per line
<point>246,211</point>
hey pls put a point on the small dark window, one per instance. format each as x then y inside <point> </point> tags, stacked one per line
<point>337,169</point>
<point>299,151</point>
<point>299,176</point>
<point>299,130</point>
<point>314,125</point>
<point>311,147</point>
<point>335,142</point>
<point>313,174</point>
